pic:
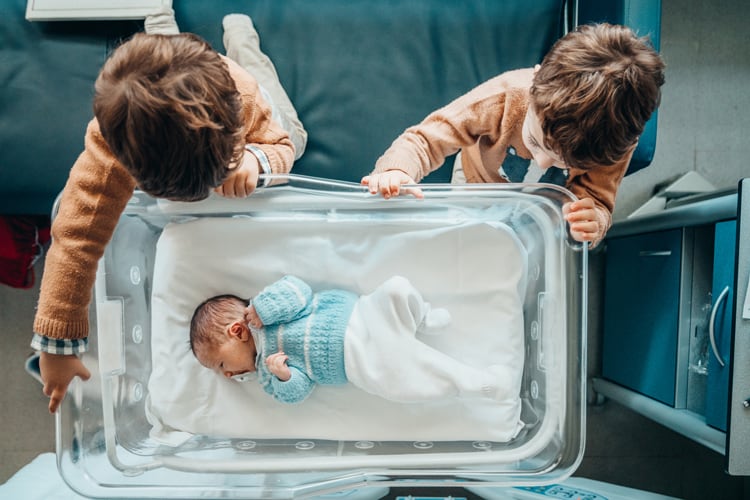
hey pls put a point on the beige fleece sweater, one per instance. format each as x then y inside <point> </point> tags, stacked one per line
<point>95,196</point>
<point>483,124</point>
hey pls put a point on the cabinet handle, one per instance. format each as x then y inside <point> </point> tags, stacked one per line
<point>711,334</point>
<point>655,253</point>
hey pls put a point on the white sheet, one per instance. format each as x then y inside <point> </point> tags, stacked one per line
<point>475,270</point>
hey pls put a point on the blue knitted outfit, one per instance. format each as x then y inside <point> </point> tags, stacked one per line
<point>309,328</point>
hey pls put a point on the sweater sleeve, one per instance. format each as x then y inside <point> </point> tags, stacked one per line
<point>601,185</point>
<point>261,131</point>
<point>423,148</point>
<point>284,300</point>
<point>294,390</point>
<point>94,197</point>
<point>478,115</point>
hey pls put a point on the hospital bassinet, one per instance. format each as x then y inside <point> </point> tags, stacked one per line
<point>106,440</point>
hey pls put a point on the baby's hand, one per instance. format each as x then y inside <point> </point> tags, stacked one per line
<point>276,364</point>
<point>251,316</point>
<point>242,179</point>
<point>583,220</point>
<point>389,184</point>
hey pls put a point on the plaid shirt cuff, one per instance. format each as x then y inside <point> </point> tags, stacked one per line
<point>59,346</point>
<point>265,165</point>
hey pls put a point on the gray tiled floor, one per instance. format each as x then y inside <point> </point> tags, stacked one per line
<point>703,123</point>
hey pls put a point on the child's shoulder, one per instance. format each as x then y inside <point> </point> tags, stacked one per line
<point>513,79</point>
<point>245,82</point>
<point>515,82</point>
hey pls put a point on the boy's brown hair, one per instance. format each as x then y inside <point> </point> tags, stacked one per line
<point>210,318</point>
<point>171,114</point>
<point>594,92</point>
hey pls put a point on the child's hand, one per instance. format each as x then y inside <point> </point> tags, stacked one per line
<point>583,220</point>
<point>276,364</point>
<point>251,316</point>
<point>242,179</point>
<point>57,370</point>
<point>389,184</point>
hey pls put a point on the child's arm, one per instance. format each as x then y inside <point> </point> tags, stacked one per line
<point>94,197</point>
<point>590,217</point>
<point>288,385</point>
<point>286,299</point>
<point>268,146</point>
<point>417,152</point>
<point>423,148</point>
<point>265,136</point>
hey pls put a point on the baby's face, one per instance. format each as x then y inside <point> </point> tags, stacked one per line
<point>234,356</point>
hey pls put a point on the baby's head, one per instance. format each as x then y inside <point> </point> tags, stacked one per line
<point>171,113</point>
<point>219,337</point>
<point>593,94</point>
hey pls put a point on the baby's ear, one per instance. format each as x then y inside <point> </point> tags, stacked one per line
<point>238,331</point>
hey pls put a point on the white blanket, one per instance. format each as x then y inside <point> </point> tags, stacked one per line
<point>475,270</point>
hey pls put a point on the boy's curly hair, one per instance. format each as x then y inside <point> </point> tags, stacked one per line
<point>171,114</point>
<point>594,92</point>
<point>209,319</point>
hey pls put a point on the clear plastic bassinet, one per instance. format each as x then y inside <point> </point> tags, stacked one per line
<point>105,429</point>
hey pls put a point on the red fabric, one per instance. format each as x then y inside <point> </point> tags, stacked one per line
<point>22,240</point>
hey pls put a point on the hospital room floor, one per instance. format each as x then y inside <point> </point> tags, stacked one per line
<point>705,47</point>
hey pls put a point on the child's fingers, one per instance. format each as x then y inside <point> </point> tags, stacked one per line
<point>390,184</point>
<point>374,183</point>
<point>581,216</point>
<point>585,227</point>
<point>578,205</point>
<point>578,236</point>
<point>55,399</point>
<point>83,373</point>
<point>230,186</point>
<point>226,190</point>
<point>385,188</point>
<point>585,231</point>
<point>414,191</point>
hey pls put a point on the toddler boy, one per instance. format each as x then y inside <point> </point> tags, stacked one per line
<point>578,115</point>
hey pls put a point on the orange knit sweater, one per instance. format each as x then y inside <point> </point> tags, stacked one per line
<point>483,124</point>
<point>95,196</point>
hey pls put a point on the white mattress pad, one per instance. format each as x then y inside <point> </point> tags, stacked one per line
<point>475,270</point>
